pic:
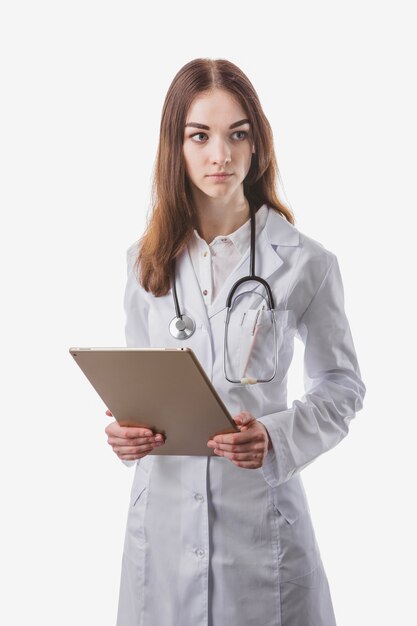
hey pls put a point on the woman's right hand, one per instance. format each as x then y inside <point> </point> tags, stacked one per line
<point>130,442</point>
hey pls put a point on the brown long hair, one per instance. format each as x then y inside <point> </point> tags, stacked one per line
<point>173,216</point>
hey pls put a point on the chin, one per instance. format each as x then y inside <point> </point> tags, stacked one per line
<point>220,190</point>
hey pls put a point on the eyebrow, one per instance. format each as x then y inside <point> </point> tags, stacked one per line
<point>204,127</point>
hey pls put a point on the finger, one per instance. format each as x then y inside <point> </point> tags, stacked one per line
<point>239,438</point>
<point>131,432</point>
<point>244,418</point>
<point>254,463</point>
<point>122,440</point>
<point>131,457</point>
<point>109,413</point>
<point>254,448</point>
<point>139,441</point>
<point>127,432</point>
<point>248,464</point>
<point>129,453</point>
<point>123,450</point>
<point>249,457</point>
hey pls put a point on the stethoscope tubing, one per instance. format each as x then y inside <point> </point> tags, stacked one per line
<point>183,327</point>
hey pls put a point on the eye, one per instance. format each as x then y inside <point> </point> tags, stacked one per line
<point>199,137</point>
<point>242,134</point>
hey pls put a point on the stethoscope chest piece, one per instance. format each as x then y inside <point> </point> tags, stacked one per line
<point>182,327</point>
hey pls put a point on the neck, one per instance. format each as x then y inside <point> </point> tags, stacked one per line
<point>219,217</point>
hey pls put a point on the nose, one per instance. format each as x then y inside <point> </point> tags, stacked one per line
<point>220,154</point>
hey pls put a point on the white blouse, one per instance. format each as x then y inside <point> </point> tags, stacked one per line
<point>214,262</point>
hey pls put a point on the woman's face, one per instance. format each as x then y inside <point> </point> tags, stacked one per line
<point>217,140</point>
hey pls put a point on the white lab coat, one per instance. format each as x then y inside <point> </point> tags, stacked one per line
<point>211,544</point>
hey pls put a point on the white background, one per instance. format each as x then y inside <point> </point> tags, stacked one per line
<point>82,86</point>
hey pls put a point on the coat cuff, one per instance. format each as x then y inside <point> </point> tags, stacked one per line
<point>275,467</point>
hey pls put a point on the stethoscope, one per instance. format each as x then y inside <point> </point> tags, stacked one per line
<point>183,327</point>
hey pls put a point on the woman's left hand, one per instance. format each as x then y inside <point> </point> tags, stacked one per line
<point>248,448</point>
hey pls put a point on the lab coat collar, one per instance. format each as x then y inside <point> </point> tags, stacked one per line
<point>279,230</point>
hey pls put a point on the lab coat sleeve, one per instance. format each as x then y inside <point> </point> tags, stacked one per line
<point>136,308</point>
<point>334,391</point>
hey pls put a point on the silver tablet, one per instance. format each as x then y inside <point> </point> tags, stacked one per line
<point>165,390</point>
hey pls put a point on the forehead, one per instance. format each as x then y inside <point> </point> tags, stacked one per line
<point>216,106</point>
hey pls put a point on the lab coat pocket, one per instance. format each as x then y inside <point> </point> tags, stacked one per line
<point>268,349</point>
<point>258,334</point>
<point>134,551</point>
<point>136,496</point>
<point>298,551</point>
<point>135,531</point>
<point>140,483</point>
<point>289,499</point>
<point>249,344</point>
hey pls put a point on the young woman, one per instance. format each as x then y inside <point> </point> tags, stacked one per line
<point>227,538</point>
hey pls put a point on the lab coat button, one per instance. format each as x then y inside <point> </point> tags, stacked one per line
<point>205,292</point>
<point>198,497</point>
<point>199,552</point>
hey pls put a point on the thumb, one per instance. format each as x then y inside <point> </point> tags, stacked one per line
<point>244,418</point>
